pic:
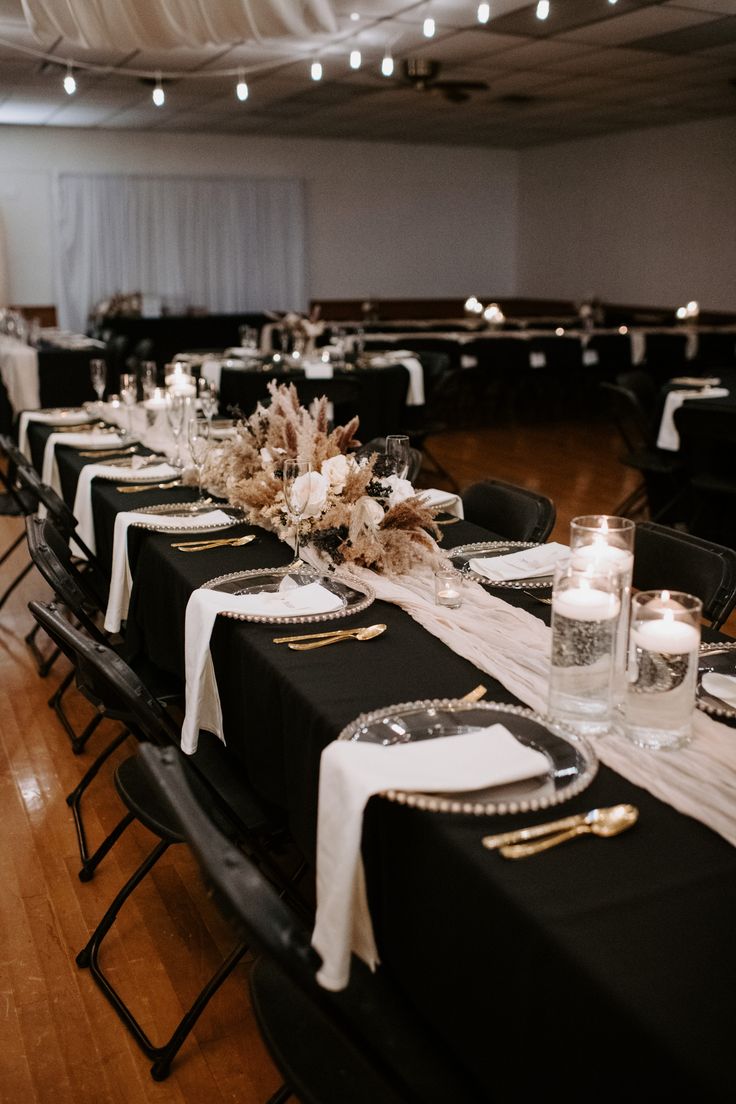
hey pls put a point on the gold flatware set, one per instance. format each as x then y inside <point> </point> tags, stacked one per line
<point>320,640</point>
<point>132,488</point>
<point>102,453</point>
<point>605,822</point>
<point>203,546</point>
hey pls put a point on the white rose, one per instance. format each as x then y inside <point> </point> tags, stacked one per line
<point>336,470</point>
<point>401,489</point>
<point>313,489</point>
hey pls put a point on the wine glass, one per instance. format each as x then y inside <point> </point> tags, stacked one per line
<point>198,435</point>
<point>129,395</point>
<point>397,454</point>
<point>208,398</point>
<point>297,489</point>
<point>175,409</point>
<point>98,376</point>
<point>149,372</point>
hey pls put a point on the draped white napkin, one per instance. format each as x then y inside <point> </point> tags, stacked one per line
<point>317,369</point>
<point>102,440</point>
<point>83,497</point>
<point>349,774</point>
<point>121,582</point>
<point>202,698</point>
<point>668,437</point>
<point>450,503</point>
<point>529,563</point>
<point>720,686</point>
<point>19,373</point>
<point>73,417</point>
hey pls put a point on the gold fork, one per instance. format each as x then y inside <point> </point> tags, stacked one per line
<point>131,488</point>
<point>203,546</point>
<point>107,452</point>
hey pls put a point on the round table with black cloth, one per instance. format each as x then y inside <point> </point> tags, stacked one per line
<point>601,968</point>
<point>376,395</point>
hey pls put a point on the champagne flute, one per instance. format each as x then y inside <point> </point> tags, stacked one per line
<point>129,395</point>
<point>297,477</point>
<point>175,409</point>
<point>149,372</point>
<point>397,454</point>
<point>98,376</point>
<point>198,434</point>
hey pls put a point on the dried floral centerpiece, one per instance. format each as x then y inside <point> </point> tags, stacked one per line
<point>356,512</point>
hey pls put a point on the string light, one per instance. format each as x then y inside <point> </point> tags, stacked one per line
<point>241,88</point>
<point>387,65</point>
<point>355,59</point>
<point>70,85</point>
<point>158,95</point>
<point>484,13</point>
<point>316,71</point>
<point>428,27</point>
<point>542,9</point>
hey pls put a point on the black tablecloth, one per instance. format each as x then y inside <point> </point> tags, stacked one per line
<point>600,968</point>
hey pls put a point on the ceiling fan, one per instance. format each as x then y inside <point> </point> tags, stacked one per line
<point>422,74</point>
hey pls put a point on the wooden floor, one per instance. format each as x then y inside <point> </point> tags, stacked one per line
<point>59,1040</point>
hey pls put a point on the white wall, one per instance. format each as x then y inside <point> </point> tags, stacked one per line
<point>646,217</point>
<point>383,220</point>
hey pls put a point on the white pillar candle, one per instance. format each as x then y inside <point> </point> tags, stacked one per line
<point>666,635</point>
<point>585,604</point>
<point>601,555</point>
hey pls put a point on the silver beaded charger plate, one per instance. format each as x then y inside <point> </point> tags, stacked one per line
<point>190,513</point>
<point>261,580</point>
<point>464,553</point>
<point>572,761</point>
<point>717,659</point>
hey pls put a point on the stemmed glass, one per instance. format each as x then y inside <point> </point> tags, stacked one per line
<point>297,489</point>
<point>175,409</point>
<point>397,454</point>
<point>149,372</point>
<point>198,434</point>
<point>208,398</point>
<point>129,395</point>
<point>98,376</point>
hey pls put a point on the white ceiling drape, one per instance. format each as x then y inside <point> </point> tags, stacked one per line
<point>228,244</point>
<point>167,24</point>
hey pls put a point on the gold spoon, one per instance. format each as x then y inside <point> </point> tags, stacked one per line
<point>369,633</point>
<point>611,814</point>
<point>323,635</point>
<point>605,827</point>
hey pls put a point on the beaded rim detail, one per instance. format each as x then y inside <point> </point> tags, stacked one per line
<point>708,705</point>
<point>542,583</point>
<point>438,804</point>
<point>168,508</point>
<point>367,598</point>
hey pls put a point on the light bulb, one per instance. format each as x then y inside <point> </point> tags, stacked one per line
<point>70,85</point>
<point>387,66</point>
<point>241,90</point>
<point>316,70</point>
<point>355,59</point>
<point>428,27</point>
<point>542,9</point>
<point>484,13</point>
<point>158,96</point>
<point>355,16</point>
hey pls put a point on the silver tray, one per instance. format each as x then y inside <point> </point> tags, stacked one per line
<point>355,599</point>
<point>462,555</point>
<point>720,658</point>
<point>187,510</point>
<point>572,761</point>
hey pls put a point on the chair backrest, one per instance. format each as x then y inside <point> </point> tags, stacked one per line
<point>51,555</point>
<point>642,384</point>
<point>515,513</point>
<point>631,419</point>
<point>30,479</point>
<point>20,500</point>
<point>400,1052</point>
<point>378,444</point>
<point>707,432</point>
<point>668,558</point>
<point>105,678</point>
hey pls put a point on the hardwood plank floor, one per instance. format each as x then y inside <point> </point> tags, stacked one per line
<point>59,1039</point>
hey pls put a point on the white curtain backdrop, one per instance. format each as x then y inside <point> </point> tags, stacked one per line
<point>4,280</point>
<point>227,244</point>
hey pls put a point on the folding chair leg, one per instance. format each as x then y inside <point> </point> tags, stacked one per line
<point>74,801</point>
<point>162,1056</point>
<point>11,549</point>
<point>43,663</point>
<point>78,740</point>
<point>16,582</point>
<point>280,1096</point>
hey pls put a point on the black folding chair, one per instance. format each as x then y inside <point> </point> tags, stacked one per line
<point>14,502</point>
<point>364,1045</point>
<point>105,679</point>
<point>515,513</point>
<point>666,557</point>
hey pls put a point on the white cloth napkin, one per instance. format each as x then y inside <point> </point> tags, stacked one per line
<point>720,686</point>
<point>75,417</point>
<point>121,582</point>
<point>350,773</point>
<point>450,503</point>
<point>49,470</point>
<point>668,437</point>
<point>317,369</point>
<point>202,698</point>
<point>529,563</point>
<point>413,365</point>
<point>83,497</point>
<point>19,373</point>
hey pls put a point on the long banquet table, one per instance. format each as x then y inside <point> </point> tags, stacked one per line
<point>599,968</point>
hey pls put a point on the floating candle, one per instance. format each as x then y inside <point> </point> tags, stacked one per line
<point>586,603</point>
